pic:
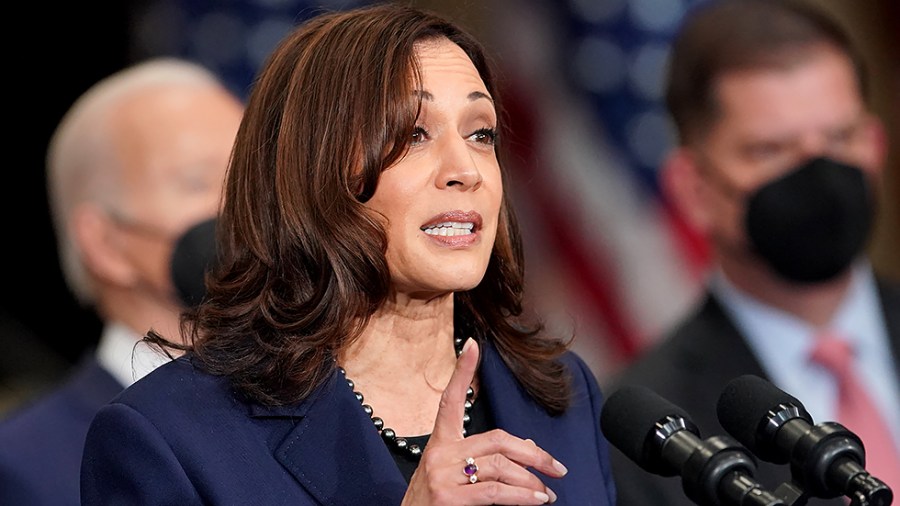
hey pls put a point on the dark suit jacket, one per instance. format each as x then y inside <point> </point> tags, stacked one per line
<point>40,444</point>
<point>181,436</point>
<point>690,368</point>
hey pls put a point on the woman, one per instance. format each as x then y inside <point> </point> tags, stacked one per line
<point>366,243</point>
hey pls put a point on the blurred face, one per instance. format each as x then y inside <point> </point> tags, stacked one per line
<point>441,201</point>
<point>771,121</point>
<point>175,146</point>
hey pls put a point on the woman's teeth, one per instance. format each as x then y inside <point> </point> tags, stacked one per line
<point>450,228</point>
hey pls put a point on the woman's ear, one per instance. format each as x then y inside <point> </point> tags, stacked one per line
<point>100,243</point>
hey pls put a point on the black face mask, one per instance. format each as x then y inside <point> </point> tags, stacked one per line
<point>810,224</point>
<point>194,255</point>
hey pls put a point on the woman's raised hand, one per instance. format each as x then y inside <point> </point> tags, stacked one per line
<point>482,469</point>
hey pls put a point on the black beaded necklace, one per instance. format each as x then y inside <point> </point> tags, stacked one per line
<point>400,444</point>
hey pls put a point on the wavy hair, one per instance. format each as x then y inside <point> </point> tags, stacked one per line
<point>302,260</point>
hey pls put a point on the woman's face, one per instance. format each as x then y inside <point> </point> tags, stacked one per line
<point>442,199</point>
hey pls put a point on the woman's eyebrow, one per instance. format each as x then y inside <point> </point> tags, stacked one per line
<point>475,95</point>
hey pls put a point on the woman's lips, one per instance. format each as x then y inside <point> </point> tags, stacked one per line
<point>454,228</point>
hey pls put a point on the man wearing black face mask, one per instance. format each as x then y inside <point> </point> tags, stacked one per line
<point>809,224</point>
<point>778,165</point>
<point>134,165</point>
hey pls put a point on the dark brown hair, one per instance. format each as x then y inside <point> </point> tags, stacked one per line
<point>302,260</point>
<point>729,35</point>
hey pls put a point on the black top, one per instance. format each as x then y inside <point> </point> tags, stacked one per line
<point>482,420</point>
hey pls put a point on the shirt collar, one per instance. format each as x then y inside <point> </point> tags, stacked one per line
<point>857,318</point>
<point>782,342</point>
<point>122,354</point>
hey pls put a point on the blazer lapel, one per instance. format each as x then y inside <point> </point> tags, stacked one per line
<point>714,335</point>
<point>514,410</point>
<point>335,452</point>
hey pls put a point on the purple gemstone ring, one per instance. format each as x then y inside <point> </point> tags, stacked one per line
<point>470,470</point>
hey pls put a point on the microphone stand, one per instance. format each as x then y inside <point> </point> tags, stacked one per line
<point>714,471</point>
<point>793,495</point>
<point>833,458</point>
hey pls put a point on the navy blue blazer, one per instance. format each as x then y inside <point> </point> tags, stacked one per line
<point>41,443</point>
<point>182,436</point>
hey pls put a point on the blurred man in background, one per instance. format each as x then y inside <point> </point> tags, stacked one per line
<point>778,165</point>
<point>137,161</point>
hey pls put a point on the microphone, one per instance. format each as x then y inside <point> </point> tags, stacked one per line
<point>194,254</point>
<point>661,438</point>
<point>827,460</point>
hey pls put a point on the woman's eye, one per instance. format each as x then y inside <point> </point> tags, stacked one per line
<point>485,136</point>
<point>418,136</point>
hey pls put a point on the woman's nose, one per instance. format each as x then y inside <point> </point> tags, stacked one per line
<point>458,167</point>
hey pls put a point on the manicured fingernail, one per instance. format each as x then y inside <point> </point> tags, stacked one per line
<point>468,344</point>
<point>559,467</point>
<point>552,494</point>
<point>540,496</point>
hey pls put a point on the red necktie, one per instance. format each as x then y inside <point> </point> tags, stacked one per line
<point>856,411</point>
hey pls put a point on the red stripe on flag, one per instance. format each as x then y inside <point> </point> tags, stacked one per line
<point>693,246</point>
<point>590,269</point>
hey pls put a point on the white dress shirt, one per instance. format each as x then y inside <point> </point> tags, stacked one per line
<point>782,344</point>
<point>123,356</point>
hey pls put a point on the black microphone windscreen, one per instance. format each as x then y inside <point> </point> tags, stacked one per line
<point>629,416</point>
<point>744,406</point>
<point>194,254</point>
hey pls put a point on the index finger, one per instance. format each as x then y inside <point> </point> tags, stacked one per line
<point>449,422</point>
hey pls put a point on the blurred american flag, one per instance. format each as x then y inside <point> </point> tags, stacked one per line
<point>609,256</point>
<point>606,256</point>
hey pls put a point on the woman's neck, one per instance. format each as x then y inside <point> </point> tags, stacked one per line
<point>402,361</point>
<point>408,337</point>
